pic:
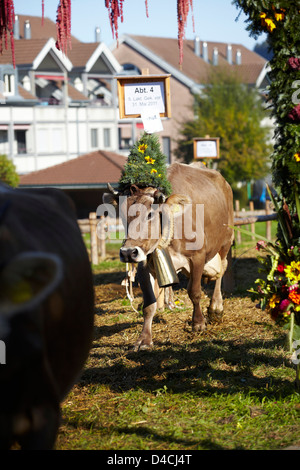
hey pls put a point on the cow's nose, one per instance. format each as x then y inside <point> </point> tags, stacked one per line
<point>128,255</point>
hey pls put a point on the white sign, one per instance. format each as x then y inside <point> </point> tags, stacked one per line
<point>146,95</point>
<point>151,121</point>
<point>207,148</point>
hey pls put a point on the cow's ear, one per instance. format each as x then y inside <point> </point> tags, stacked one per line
<point>27,280</point>
<point>177,202</point>
<point>159,197</point>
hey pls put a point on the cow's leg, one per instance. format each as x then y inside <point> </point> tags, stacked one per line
<point>215,309</point>
<point>194,291</point>
<point>146,282</point>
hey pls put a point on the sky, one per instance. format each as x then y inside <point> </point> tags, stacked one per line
<point>215,20</point>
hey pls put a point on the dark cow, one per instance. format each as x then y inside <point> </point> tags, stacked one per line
<point>46,313</point>
<point>196,231</point>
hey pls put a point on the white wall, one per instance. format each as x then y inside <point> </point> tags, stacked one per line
<point>55,133</point>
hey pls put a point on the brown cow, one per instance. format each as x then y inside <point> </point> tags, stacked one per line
<point>196,232</point>
<point>46,313</point>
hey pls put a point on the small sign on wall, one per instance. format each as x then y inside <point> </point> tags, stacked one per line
<point>143,94</point>
<point>208,147</point>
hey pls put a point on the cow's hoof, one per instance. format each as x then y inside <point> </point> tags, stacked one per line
<point>142,346</point>
<point>198,327</point>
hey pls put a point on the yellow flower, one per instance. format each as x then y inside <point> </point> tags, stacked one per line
<point>149,160</point>
<point>293,271</point>
<point>279,16</point>
<point>159,175</point>
<point>153,170</point>
<point>270,24</point>
<point>274,300</point>
<point>142,148</point>
<point>297,157</point>
<point>267,22</point>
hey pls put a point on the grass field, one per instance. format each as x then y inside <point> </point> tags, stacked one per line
<point>232,387</point>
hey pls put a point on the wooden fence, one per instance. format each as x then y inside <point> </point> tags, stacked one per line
<point>247,218</point>
<point>242,217</point>
<point>97,227</point>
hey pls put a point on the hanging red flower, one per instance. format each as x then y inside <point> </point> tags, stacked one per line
<point>115,9</point>
<point>63,22</point>
<point>147,11</point>
<point>183,7</point>
<point>63,25</point>
<point>7,19</point>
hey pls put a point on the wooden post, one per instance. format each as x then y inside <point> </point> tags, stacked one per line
<point>251,206</point>
<point>238,234</point>
<point>268,223</point>
<point>101,237</point>
<point>228,277</point>
<point>93,232</point>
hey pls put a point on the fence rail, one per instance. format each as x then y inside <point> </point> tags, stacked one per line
<point>251,217</point>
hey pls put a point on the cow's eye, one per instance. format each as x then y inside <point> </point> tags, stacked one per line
<point>150,215</point>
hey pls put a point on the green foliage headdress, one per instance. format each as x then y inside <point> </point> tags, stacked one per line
<point>146,166</point>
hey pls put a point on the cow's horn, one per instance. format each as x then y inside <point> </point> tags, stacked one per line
<point>112,190</point>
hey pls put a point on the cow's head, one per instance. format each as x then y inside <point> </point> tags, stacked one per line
<point>148,218</point>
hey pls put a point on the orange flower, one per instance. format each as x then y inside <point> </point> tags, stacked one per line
<point>294,296</point>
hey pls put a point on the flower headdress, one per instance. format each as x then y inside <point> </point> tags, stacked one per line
<point>146,166</point>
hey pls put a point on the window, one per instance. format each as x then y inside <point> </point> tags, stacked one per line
<point>20,137</point>
<point>106,137</point>
<point>131,69</point>
<point>94,138</point>
<point>9,84</point>
<point>4,147</point>
<point>166,147</point>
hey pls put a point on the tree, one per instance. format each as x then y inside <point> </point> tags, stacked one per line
<point>280,20</point>
<point>228,109</point>
<point>8,172</point>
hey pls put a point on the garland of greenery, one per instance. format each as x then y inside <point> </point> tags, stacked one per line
<point>146,166</point>
<point>279,292</point>
<point>281,21</point>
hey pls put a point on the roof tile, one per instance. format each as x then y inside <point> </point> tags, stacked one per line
<point>194,66</point>
<point>97,167</point>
